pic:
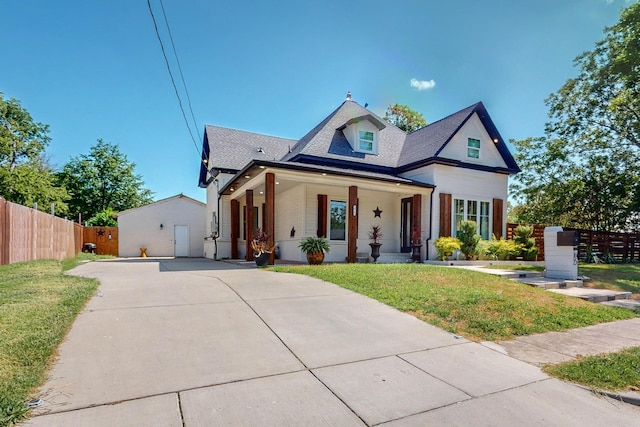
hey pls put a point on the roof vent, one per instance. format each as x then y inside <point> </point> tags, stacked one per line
<point>349,96</point>
<point>260,150</point>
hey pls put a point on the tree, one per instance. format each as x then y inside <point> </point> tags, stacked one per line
<point>600,108</point>
<point>103,179</point>
<point>585,172</point>
<point>404,117</point>
<point>25,175</point>
<point>103,219</point>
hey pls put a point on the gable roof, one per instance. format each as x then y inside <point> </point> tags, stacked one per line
<point>424,145</point>
<point>235,148</point>
<point>168,199</point>
<point>326,145</point>
<point>327,142</point>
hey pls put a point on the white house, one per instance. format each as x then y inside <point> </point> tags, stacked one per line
<point>350,172</point>
<point>174,226</point>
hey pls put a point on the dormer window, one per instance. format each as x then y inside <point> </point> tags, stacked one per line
<point>473,148</point>
<point>365,141</point>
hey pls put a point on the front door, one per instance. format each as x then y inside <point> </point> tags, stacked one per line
<point>406,223</point>
<point>181,240</point>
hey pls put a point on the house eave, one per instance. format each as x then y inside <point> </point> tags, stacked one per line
<point>457,163</point>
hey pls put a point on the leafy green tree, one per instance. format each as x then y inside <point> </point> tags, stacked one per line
<point>103,219</point>
<point>25,175</point>
<point>585,171</point>
<point>103,179</point>
<point>404,117</point>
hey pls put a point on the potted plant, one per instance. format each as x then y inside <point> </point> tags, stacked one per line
<point>416,243</point>
<point>375,234</point>
<point>262,249</point>
<point>469,239</point>
<point>314,247</point>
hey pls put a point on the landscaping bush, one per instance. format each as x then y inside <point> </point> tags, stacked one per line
<point>500,249</point>
<point>446,246</point>
<point>526,244</point>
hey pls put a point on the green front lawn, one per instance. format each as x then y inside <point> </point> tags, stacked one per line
<point>38,304</point>
<point>623,277</point>
<point>476,305</point>
<point>614,371</point>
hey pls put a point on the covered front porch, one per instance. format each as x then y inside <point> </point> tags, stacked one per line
<point>292,203</point>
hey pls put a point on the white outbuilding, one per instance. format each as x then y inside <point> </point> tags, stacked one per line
<point>174,226</point>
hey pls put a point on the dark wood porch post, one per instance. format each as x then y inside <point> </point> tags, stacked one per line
<point>416,217</point>
<point>269,214</point>
<point>235,228</point>
<point>248,232</point>
<point>352,214</point>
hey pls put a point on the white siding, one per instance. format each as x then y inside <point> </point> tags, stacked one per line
<point>140,227</point>
<point>457,148</point>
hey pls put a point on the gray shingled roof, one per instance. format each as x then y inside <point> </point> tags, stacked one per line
<point>326,141</point>
<point>233,149</point>
<point>427,142</point>
<point>326,144</point>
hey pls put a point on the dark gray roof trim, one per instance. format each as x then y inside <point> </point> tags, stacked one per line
<point>377,123</point>
<point>353,173</point>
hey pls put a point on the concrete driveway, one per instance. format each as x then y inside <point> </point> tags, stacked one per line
<point>194,342</point>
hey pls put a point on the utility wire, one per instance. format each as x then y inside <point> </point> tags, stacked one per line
<point>184,84</point>
<point>164,54</point>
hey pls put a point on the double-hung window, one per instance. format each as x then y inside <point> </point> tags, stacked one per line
<point>365,141</point>
<point>472,210</point>
<point>473,148</point>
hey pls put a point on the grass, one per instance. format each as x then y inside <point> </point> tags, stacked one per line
<point>614,371</point>
<point>475,305</point>
<point>38,304</point>
<point>622,277</point>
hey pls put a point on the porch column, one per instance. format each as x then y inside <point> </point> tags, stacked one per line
<point>269,213</point>
<point>248,232</point>
<point>235,227</point>
<point>416,218</point>
<point>352,214</point>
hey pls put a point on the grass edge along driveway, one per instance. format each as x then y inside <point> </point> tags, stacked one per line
<point>475,305</point>
<point>38,304</point>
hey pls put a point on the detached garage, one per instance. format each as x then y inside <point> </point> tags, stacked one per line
<point>170,227</point>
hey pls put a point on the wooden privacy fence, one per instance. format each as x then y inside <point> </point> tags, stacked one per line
<point>621,247</point>
<point>27,234</point>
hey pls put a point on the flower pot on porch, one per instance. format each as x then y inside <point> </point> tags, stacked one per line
<point>315,258</point>
<point>415,252</point>
<point>375,250</point>
<point>262,258</point>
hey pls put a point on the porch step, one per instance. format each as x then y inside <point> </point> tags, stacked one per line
<point>385,258</point>
<point>551,284</point>
<point>594,295</point>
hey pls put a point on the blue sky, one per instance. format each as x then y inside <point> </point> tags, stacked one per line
<point>94,69</point>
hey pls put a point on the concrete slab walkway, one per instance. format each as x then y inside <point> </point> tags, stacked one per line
<point>194,342</point>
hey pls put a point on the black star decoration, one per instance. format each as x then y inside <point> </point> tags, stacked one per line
<point>100,232</point>
<point>377,212</point>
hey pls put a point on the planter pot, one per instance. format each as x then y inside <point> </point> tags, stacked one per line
<point>375,250</point>
<point>415,252</point>
<point>315,258</point>
<point>262,259</point>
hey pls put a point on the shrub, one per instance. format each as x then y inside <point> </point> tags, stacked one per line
<point>446,246</point>
<point>500,249</point>
<point>469,240</point>
<point>527,244</point>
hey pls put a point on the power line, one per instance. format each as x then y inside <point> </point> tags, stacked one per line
<point>184,84</point>
<point>164,54</point>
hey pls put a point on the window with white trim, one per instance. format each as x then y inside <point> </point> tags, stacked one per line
<point>473,148</point>
<point>472,210</point>
<point>366,141</point>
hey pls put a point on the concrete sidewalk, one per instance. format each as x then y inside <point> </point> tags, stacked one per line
<point>199,343</point>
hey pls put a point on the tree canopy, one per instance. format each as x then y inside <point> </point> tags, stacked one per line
<point>585,171</point>
<point>404,117</point>
<point>103,179</point>
<point>25,175</point>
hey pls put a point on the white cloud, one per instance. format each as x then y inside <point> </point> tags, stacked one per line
<point>422,84</point>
